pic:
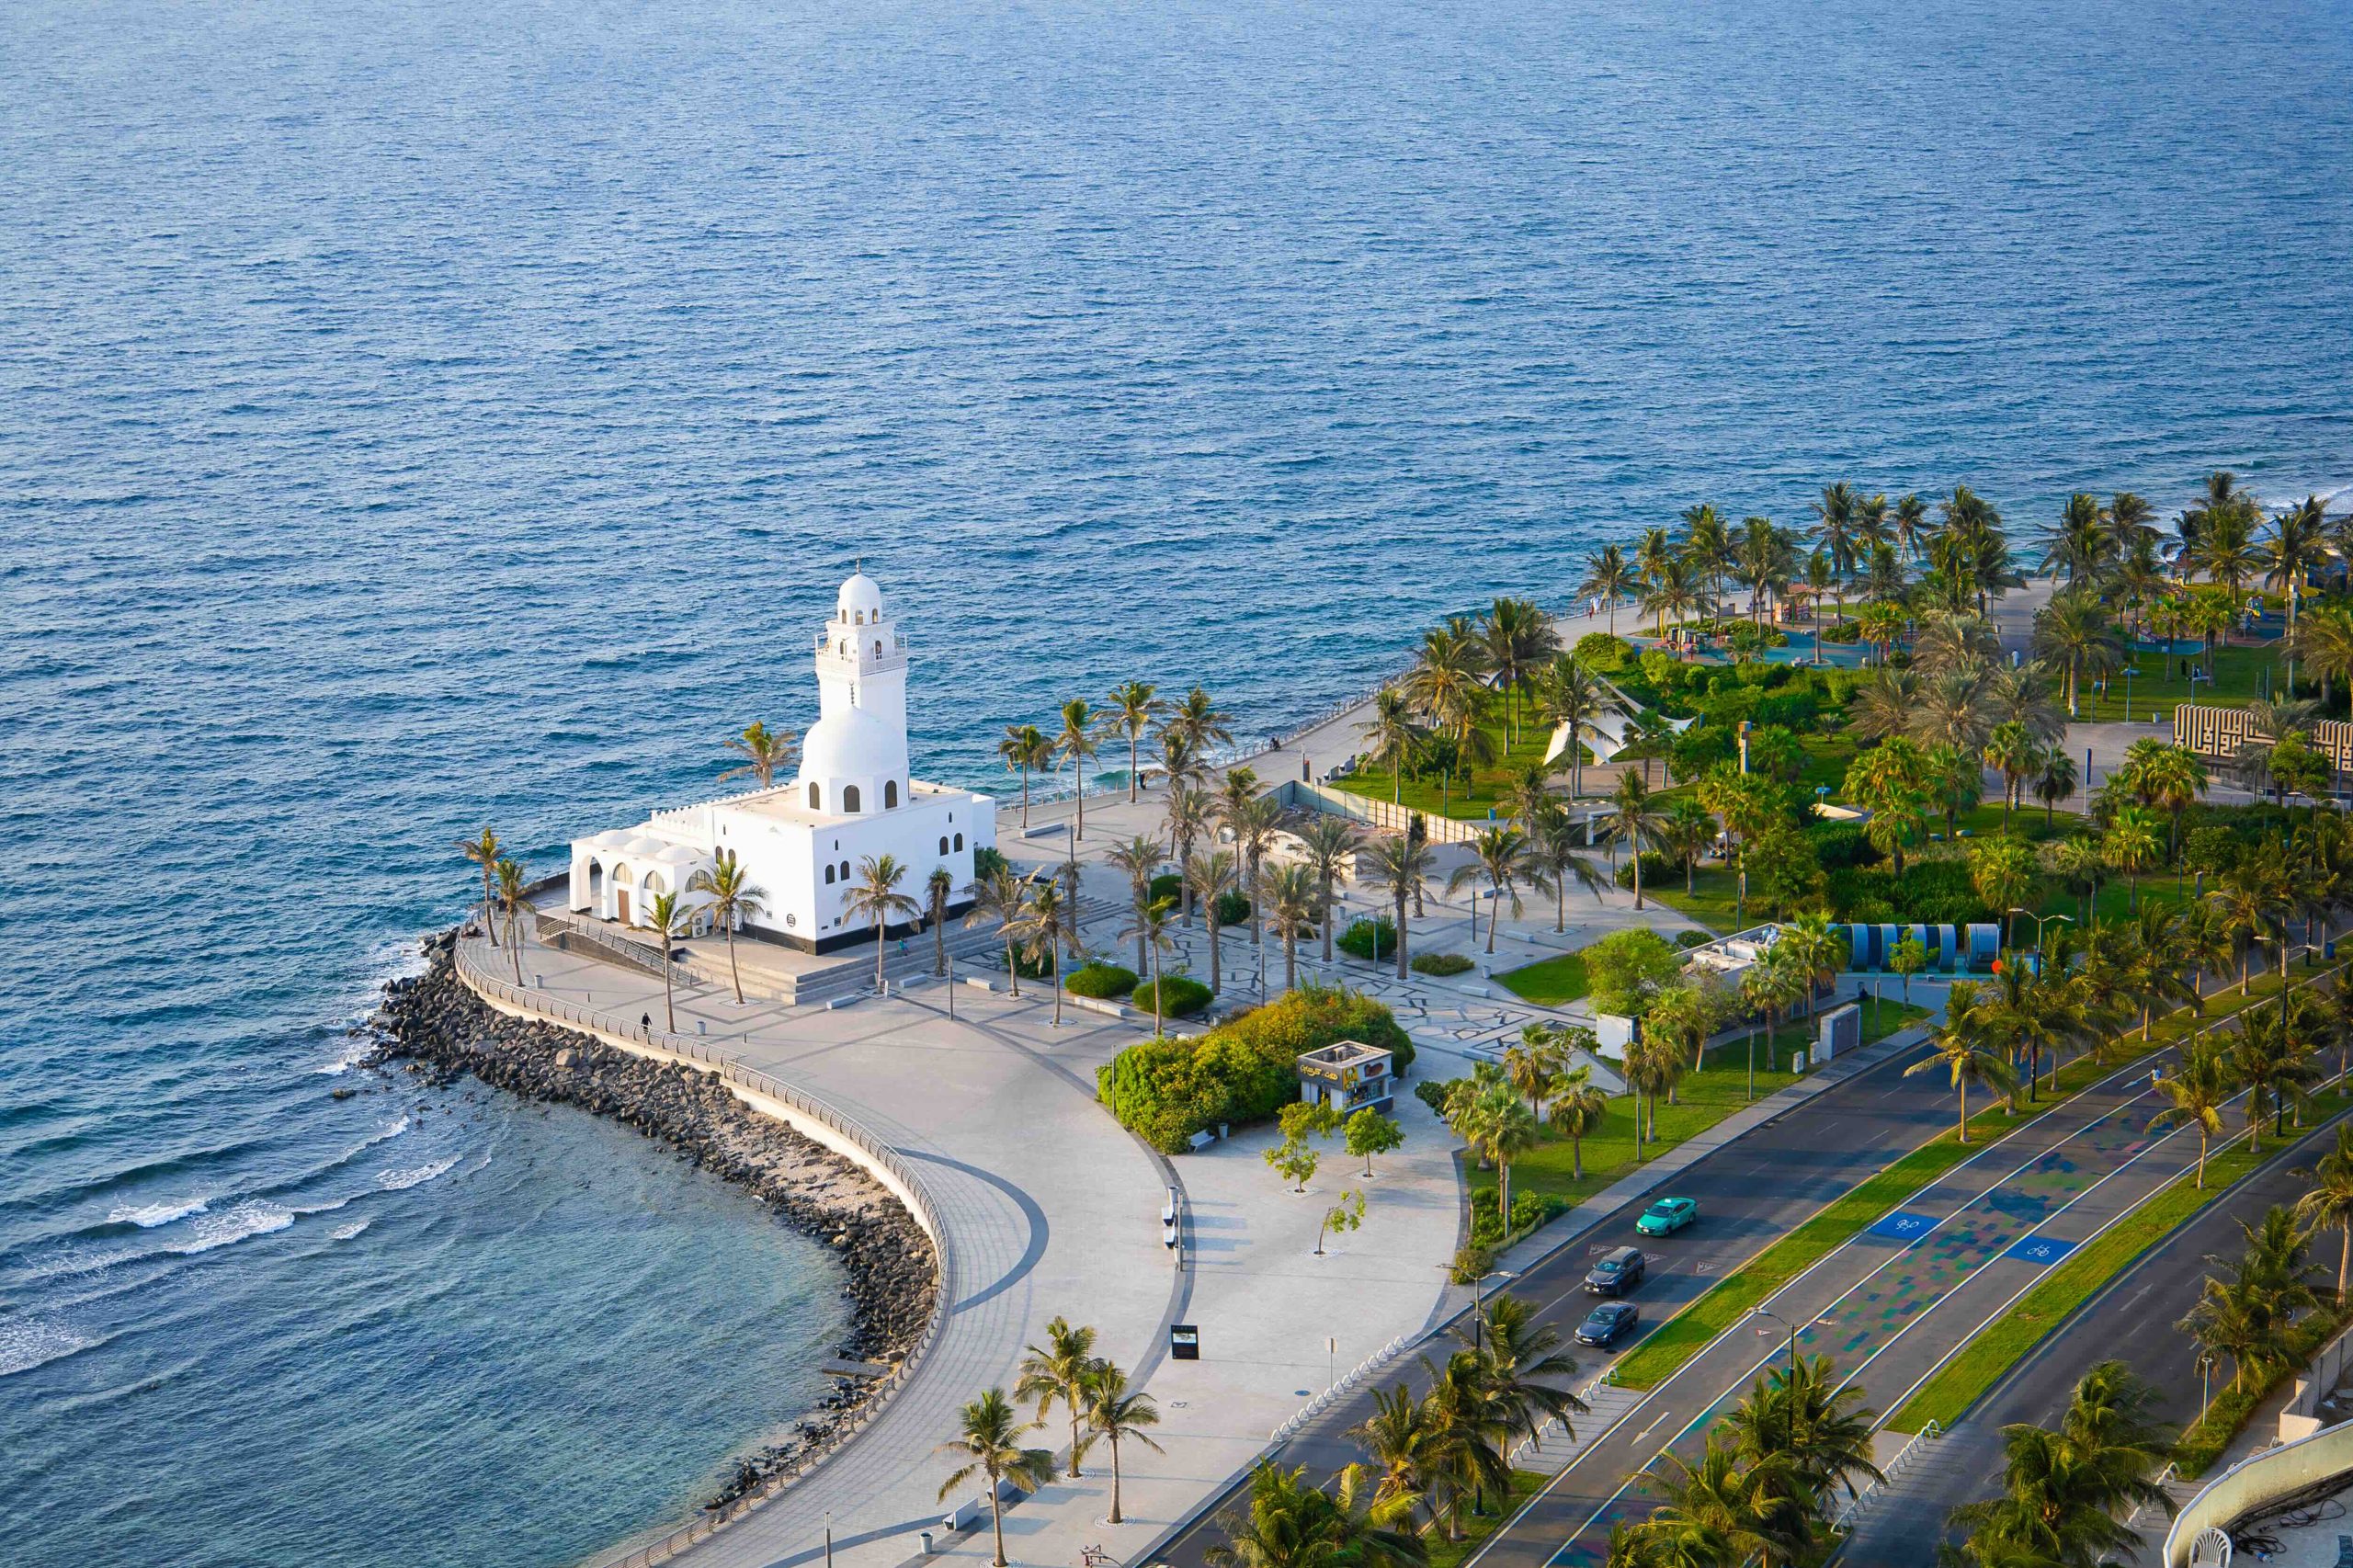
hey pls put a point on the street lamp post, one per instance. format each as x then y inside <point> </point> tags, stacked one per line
<point>1789,1382</point>
<point>1478,1302</point>
<point>2205,1382</point>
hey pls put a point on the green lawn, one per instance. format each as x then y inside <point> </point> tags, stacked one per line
<point>1477,1527</point>
<point>1469,797</point>
<point>1555,983</point>
<point>2236,674</point>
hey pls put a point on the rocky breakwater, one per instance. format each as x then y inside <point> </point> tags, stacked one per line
<point>439,1029</point>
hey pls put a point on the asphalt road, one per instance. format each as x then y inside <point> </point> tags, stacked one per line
<point>2132,1319</point>
<point>1751,1192</point>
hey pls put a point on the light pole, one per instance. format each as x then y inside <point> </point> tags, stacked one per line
<point>1789,1384</point>
<point>1478,1318</point>
<point>2205,1382</point>
<point>2038,920</point>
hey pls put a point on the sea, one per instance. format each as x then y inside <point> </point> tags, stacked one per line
<point>418,417</point>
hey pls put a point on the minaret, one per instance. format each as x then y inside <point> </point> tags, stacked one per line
<point>860,737</point>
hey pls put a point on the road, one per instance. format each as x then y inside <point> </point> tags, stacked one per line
<point>1888,1306</point>
<point>2132,1319</point>
<point>1751,1192</point>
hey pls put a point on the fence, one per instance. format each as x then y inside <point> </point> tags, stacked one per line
<point>1852,1509</point>
<point>1323,798</point>
<point>815,1119</point>
<point>1346,1385</point>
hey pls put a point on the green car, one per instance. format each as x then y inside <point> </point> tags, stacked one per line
<point>1667,1216</point>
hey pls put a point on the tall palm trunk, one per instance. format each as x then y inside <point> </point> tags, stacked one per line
<point>1328,922</point>
<point>733,973</point>
<point>1115,1484</point>
<point>1401,934</point>
<point>1025,823</point>
<point>669,1005</point>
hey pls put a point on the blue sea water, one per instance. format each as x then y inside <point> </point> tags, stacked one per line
<point>418,416</point>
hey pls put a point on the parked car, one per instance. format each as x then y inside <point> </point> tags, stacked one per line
<point>1667,1216</point>
<point>1605,1324</point>
<point>1619,1270</point>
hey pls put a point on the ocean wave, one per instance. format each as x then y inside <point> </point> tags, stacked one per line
<point>254,1216</point>
<point>398,1181</point>
<point>147,1216</point>
<point>344,1232</point>
<point>382,1134</point>
<point>24,1346</point>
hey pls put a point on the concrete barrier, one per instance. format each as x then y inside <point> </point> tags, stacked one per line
<point>2256,1480</point>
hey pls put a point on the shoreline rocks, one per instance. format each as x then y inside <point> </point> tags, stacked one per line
<point>440,1030</point>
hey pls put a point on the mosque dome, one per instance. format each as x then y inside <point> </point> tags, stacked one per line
<point>848,746</point>
<point>861,601</point>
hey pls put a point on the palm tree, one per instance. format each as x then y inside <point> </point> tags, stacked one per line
<point>1132,709</point>
<point>1399,863</point>
<point>2298,546</point>
<point>1633,821</point>
<point>2074,633</point>
<point>766,753</point>
<point>990,1446</point>
<point>2329,1202</point>
<point>1502,1130</point>
<point>733,901</point>
<point>513,888</point>
<point>1608,577</point>
<point>1473,1428</point>
<point>875,896</point>
<point>2011,752</point>
<point>1292,900</point>
<point>1552,850</point>
<point>1513,635</point>
<point>1881,709</point>
<point>1330,845</point>
<point>1958,1047</point>
<point>1199,722</point>
<point>2268,1058</point>
<point>1061,1370</point>
<point>1039,931</point>
<point>1518,1350</point>
<point>1252,819</point>
<point>1574,700</point>
<point>1208,879</point>
<point>1392,738</point>
<point>2054,780</point>
<point>484,852</point>
<point>1751,1510</point>
<point>2324,640</point>
<point>1289,1524</point>
<point>1807,1416</point>
<point>669,920</point>
<point>1676,591</point>
<point>1000,896</point>
<point>1025,748</point>
<point>1078,743</point>
<point>2130,844</point>
<point>1499,855</point>
<point>1708,545</point>
<point>1114,1415</point>
<point>1140,858</point>
<point>1188,815</point>
<point>1576,1107</point>
<point>2062,1490</point>
<point>1151,933</point>
<point>939,891</point>
<point>2196,1093</point>
<point>1405,1444</point>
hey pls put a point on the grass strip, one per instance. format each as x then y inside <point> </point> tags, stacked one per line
<point>1964,1379</point>
<point>1477,1527</point>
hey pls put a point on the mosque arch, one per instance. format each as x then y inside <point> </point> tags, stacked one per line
<point>889,794</point>
<point>829,874</point>
<point>817,797</point>
<point>960,841</point>
<point>849,798</point>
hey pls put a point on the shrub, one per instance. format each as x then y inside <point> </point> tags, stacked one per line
<point>1628,968</point>
<point>1233,909</point>
<point>1602,653</point>
<point>1099,980</point>
<point>1472,1261</point>
<point>1526,1207</point>
<point>1843,632</point>
<point>1181,997</point>
<point>1245,1070</point>
<point>1932,893</point>
<point>986,863</point>
<point>1027,967</point>
<point>1657,871</point>
<point>1168,884</point>
<point>1432,1092</point>
<point>1370,938</point>
<point>1841,845</point>
<point>1440,963</point>
<point>1692,940</point>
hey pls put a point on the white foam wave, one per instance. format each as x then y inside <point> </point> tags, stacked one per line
<point>344,1232</point>
<point>349,1055</point>
<point>254,1216</point>
<point>24,1346</point>
<point>381,1136</point>
<point>396,1181</point>
<point>147,1216</point>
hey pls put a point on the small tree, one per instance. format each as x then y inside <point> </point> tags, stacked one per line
<point>1345,1215</point>
<point>1295,1161</point>
<point>1908,959</point>
<point>989,1442</point>
<point>1369,1133</point>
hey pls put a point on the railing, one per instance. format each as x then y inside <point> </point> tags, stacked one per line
<point>864,1147</point>
<point>1329,801</point>
<point>1852,1509</point>
<point>638,955</point>
<point>1346,1385</point>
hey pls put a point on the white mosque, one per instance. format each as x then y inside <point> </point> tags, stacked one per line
<point>799,844</point>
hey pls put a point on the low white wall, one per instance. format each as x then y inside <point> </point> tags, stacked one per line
<point>2258,1480</point>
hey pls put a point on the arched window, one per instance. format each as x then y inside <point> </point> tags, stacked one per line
<point>878,647</point>
<point>844,870</point>
<point>960,841</point>
<point>889,794</point>
<point>849,798</point>
<point>943,844</point>
<point>829,876</point>
<point>817,798</point>
<point>622,875</point>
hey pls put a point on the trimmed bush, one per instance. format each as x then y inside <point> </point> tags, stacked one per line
<point>1233,909</point>
<point>1243,1071</point>
<point>1840,845</point>
<point>1440,963</point>
<point>1432,1093</point>
<point>1602,653</point>
<point>1692,938</point>
<point>1657,871</point>
<point>1932,893</point>
<point>986,863</point>
<point>1181,997</point>
<point>1370,938</point>
<point>1027,967</point>
<point>1099,980</point>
